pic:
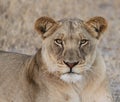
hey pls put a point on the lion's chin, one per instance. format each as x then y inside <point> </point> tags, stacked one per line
<point>71,78</point>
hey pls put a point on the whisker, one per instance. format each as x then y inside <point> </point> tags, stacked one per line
<point>92,71</point>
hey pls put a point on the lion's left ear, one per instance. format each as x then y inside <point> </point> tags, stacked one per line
<point>45,26</point>
<point>98,24</point>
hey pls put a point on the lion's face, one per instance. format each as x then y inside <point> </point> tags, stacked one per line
<point>70,48</point>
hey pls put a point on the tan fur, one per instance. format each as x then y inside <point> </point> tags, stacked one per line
<point>45,77</point>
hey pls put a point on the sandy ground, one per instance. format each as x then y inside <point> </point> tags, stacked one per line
<point>17,32</point>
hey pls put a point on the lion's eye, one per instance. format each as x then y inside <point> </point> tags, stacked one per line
<point>58,41</point>
<point>84,42</point>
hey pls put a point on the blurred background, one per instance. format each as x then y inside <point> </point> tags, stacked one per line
<point>17,32</point>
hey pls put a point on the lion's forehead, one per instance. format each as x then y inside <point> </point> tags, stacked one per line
<point>71,26</point>
<point>73,20</point>
<point>71,23</point>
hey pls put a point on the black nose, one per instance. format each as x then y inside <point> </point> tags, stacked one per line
<point>71,65</point>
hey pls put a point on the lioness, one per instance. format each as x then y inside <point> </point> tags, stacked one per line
<point>67,68</point>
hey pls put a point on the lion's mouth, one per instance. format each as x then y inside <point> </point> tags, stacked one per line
<point>71,72</point>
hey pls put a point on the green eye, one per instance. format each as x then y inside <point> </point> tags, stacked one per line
<point>84,42</point>
<point>58,41</point>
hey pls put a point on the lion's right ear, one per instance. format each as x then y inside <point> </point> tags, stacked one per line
<point>98,24</point>
<point>45,26</point>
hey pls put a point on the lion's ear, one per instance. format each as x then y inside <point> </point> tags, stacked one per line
<point>45,26</point>
<point>98,24</point>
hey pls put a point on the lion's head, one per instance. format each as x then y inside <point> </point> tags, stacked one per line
<point>69,45</point>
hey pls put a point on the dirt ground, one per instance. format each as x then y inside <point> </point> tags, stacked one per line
<point>17,32</point>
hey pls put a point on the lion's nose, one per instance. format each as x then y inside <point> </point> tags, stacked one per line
<point>71,65</point>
